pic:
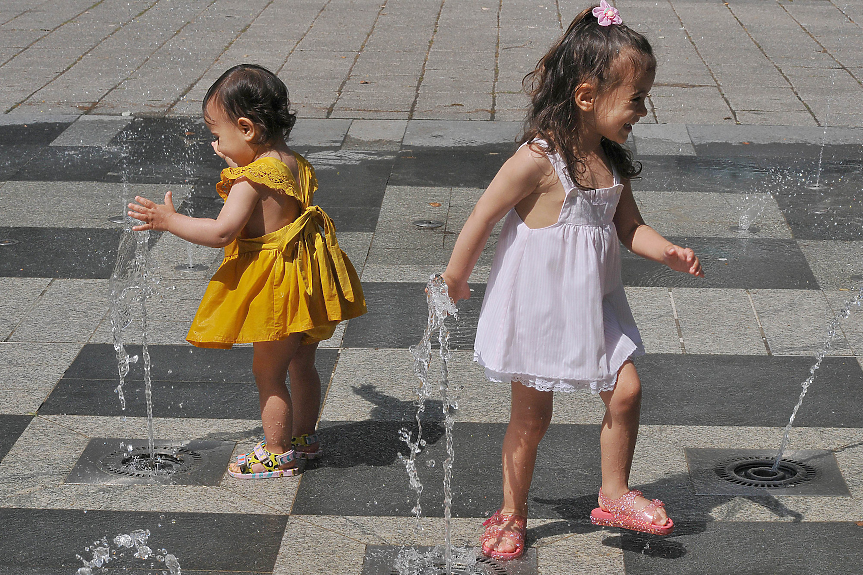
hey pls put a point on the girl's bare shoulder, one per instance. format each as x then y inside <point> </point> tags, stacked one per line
<point>530,163</point>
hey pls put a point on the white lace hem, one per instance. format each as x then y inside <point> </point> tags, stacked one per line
<point>546,384</point>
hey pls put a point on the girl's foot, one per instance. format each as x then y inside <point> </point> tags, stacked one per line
<point>632,511</point>
<point>263,464</point>
<point>307,446</point>
<point>504,536</point>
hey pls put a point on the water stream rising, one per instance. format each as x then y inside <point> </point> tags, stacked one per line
<point>439,307</point>
<point>825,348</point>
<point>131,283</point>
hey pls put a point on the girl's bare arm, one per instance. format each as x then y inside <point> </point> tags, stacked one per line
<point>214,233</point>
<point>641,239</point>
<point>518,177</point>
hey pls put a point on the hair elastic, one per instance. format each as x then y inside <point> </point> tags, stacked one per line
<point>607,14</point>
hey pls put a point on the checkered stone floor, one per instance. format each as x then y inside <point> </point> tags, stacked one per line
<point>725,356</point>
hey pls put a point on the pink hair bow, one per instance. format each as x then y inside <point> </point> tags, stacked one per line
<point>606,14</point>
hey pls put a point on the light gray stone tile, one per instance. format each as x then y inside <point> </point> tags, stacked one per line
<point>837,265</point>
<point>45,203</point>
<point>662,139</point>
<point>63,439</point>
<point>31,372</point>
<point>16,118</point>
<point>19,295</point>
<point>796,322</point>
<point>319,132</point>
<point>654,316</point>
<point>375,134</point>
<point>850,328</point>
<point>444,133</point>
<point>708,214</point>
<point>356,245</point>
<point>718,321</point>
<point>380,384</point>
<point>68,311</point>
<point>92,131</point>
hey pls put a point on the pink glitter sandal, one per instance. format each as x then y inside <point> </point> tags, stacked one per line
<point>501,526</point>
<point>622,513</point>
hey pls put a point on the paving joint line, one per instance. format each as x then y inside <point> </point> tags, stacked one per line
<point>559,15</point>
<point>706,65</point>
<point>824,49</point>
<point>758,321</point>
<point>425,61</point>
<point>210,67</point>
<point>356,59</point>
<point>677,322</point>
<point>303,36</point>
<point>496,64</point>
<point>775,65</point>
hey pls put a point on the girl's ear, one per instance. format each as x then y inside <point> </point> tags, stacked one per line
<point>247,127</point>
<point>585,97</point>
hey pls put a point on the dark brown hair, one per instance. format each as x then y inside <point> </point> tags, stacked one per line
<point>587,52</point>
<point>253,92</point>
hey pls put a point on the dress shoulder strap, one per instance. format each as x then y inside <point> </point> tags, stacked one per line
<point>274,174</point>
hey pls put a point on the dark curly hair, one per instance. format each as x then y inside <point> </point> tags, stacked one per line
<point>587,52</point>
<point>253,92</point>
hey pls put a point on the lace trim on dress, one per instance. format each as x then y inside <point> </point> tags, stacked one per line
<point>545,384</point>
<point>270,172</point>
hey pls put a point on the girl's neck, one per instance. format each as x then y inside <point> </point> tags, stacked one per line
<point>278,150</point>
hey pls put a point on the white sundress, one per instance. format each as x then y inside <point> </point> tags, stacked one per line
<point>555,315</point>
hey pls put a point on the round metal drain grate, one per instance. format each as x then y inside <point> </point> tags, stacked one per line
<point>758,472</point>
<point>483,566</point>
<point>137,462</point>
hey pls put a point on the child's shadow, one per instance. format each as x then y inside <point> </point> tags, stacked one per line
<point>376,442</point>
<point>691,514</point>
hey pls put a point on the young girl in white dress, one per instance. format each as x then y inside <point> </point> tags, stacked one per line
<point>555,315</point>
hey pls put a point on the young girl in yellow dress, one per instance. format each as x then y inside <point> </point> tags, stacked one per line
<point>284,284</point>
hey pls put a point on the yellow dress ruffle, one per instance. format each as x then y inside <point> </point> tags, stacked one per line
<point>292,280</point>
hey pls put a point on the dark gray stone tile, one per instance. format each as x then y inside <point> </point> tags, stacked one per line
<point>361,473</point>
<point>473,167</point>
<point>46,542</point>
<point>36,133</point>
<point>187,382</point>
<point>11,428</point>
<point>70,163</point>
<point>788,151</point>
<point>747,390</point>
<point>728,263</point>
<point>793,548</point>
<point>398,314</point>
<point>14,158</point>
<point>75,253</point>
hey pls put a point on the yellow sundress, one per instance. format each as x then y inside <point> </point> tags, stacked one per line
<point>295,279</point>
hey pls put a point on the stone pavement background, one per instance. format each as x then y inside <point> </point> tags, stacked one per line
<point>394,100</point>
<point>765,62</point>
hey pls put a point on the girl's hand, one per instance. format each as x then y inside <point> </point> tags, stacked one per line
<point>682,260</point>
<point>457,290</point>
<point>155,216</point>
<point>229,161</point>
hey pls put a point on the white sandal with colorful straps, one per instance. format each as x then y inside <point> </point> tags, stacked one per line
<point>298,444</point>
<point>271,462</point>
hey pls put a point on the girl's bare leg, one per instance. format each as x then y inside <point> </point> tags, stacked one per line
<point>530,415</point>
<point>270,367</point>
<point>305,391</point>
<point>618,435</point>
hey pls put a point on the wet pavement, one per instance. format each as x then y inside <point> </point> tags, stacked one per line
<point>725,356</point>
